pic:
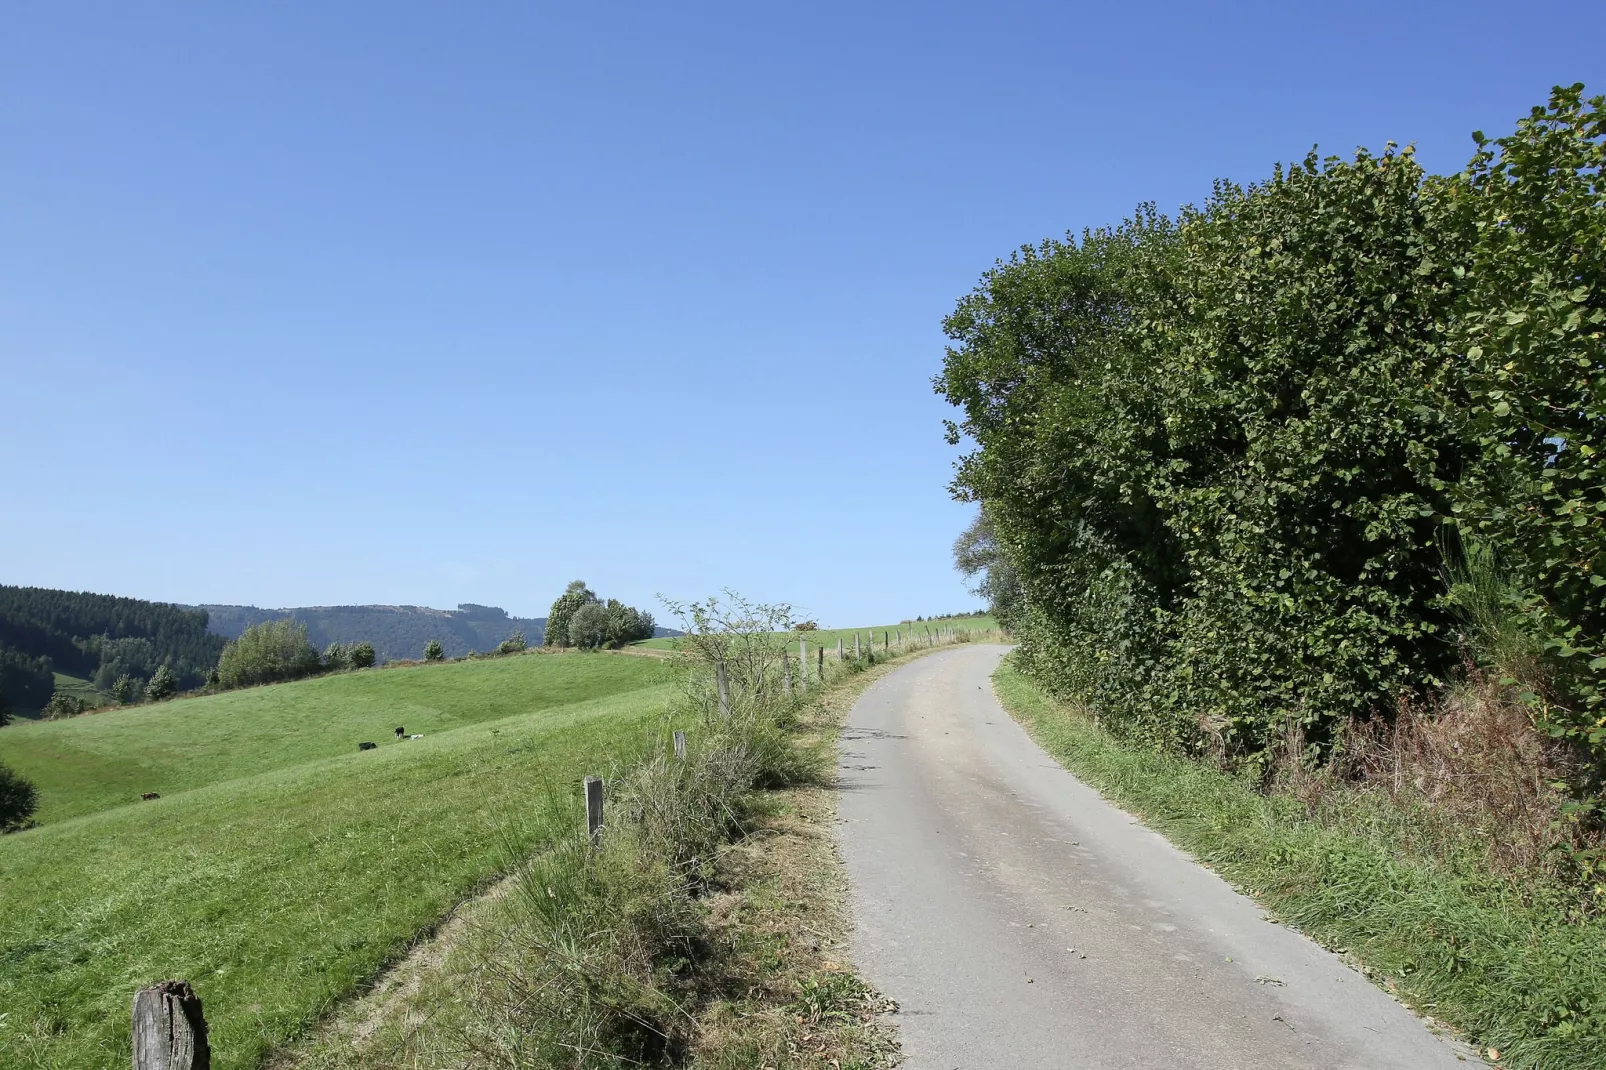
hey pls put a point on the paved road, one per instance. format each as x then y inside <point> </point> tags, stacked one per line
<point>1021,922</point>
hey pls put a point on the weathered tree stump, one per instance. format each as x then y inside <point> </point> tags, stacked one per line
<point>169,1030</point>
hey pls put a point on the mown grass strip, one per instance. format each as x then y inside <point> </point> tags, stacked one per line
<point>1515,975</point>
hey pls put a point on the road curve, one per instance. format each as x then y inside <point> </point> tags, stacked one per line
<point>1021,921</point>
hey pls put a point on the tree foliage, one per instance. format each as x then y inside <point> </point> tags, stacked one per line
<point>577,594</point>
<point>588,626</point>
<point>433,651</point>
<point>1221,458</point>
<point>18,799</point>
<point>266,653</point>
<point>163,684</point>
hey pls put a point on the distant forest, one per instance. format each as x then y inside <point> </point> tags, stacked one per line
<point>395,631</point>
<point>98,637</point>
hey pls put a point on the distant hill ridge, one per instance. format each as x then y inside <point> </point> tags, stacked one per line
<point>397,632</point>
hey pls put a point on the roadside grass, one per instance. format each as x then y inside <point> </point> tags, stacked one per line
<point>94,762</point>
<point>827,637</point>
<point>278,894</point>
<point>1502,964</point>
<point>708,931</point>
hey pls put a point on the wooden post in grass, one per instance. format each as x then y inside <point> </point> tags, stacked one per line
<point>803,664</point>
<point>593,786</point>
<point>723,682</point>
<point>839,650</point>
<point>819,656</point>
<point>886,641</point>
<point>855,646</point>
<point>680,745</point>
<point>169,1031</point>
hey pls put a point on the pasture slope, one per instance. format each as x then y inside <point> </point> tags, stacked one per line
<point>828,637</point>
<point>282,868</point>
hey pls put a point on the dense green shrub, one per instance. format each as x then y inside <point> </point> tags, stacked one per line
<point>433,651</point>
<point>1222,459</point>
<point>62,704</point>
<point>126,689</point>
<point>268,652</point>
<point>18,799</point>
<point>588,626</point>
<point>336,658</point>
<point>361,655</point>
<point>163,684</point>
<point>577,594</point>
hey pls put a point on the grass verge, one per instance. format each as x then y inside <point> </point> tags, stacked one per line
<point>1502,964</point>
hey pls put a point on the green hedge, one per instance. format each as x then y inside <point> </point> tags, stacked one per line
<point>1228,454</point>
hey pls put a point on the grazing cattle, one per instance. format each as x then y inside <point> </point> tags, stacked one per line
<point>149,795</point>
<point>366,746</point>
<point>400,731</point>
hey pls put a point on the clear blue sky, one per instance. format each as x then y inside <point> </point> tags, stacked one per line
<point>428,303</point>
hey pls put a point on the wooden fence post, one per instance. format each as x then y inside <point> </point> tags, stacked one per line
<point>723,682</point>
<point>839,650</point>
<point>169,1030</point>
<point>803,664</point>
<point>593,785</point>
<point>856,646</point>
<point>680,745</point>
<point>886,640</point>
<point>819,656</point>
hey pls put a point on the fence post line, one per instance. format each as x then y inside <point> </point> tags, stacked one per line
<point>803,664</point>
<point>680,745</point>
<point>593,786</point>
<point>723,683</point>
<point>169,1031</point>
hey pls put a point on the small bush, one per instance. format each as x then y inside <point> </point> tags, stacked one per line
<point>513,644</point>
<point>433,651</point>
<point>128,689</point>
<point>61,705</point>
<point>163,684</point>
<point>18,799</point>
<point>361,655</point>
<point>336,658</point>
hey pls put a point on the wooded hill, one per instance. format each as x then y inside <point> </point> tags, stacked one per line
<point>396,632</point>
<point>96,636</point>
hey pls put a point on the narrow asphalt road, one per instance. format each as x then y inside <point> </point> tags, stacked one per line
<point>1021,921</point>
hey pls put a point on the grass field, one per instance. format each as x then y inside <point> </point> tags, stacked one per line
<point>94,762</point>
<point>282,868</point>
<point>829,636</point>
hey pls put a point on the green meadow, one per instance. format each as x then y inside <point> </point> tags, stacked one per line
<point>828,637</point>
<point>282,867</point>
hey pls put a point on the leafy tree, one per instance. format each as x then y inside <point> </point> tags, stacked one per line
<point>588,626</point>
<point>576,595</point>
<point>61,705</point>
<point>268,652</point>
<point>626,624</point>
<point>125,690</point>
<point>513,644</point>
<point>18,799</point>
<point>361,655</point>
<point>433,651</point>
<point>978,558</point>
<point>27,681</point>
<point>163,684</point>
<point>336,657</point>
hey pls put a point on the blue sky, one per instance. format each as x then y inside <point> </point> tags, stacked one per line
<point>430,303</point>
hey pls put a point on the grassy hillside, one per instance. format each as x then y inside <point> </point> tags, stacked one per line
<point>85,764</point>
<point>296,866</point>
